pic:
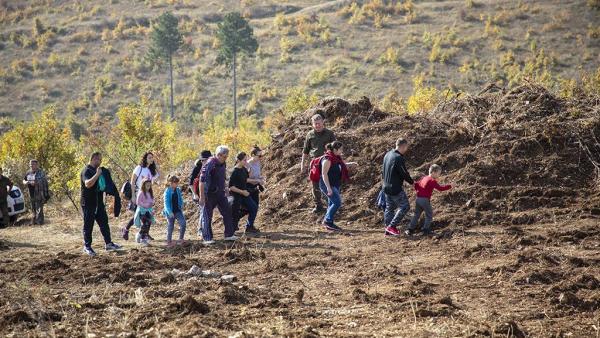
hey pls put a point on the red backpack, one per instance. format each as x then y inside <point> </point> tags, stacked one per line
<point>196,186</point>
<point>315,169</point>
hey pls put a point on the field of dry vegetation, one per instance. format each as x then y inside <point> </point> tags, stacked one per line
<point>88,57</point>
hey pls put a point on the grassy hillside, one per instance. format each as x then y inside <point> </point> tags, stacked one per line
<point>88,57</point>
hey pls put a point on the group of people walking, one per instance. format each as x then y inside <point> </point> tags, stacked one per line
<point>328,171</point>
<point>37,184</point>
<point>208,182</point>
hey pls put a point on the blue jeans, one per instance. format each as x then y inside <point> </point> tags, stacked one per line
<point>334,201</point>
<point>171,225</point>
<point>396,207</point>
<point>251,207</point>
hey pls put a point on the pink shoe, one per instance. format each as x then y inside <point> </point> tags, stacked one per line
<point>392,231</point>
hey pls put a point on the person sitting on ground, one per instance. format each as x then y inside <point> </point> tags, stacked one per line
<point>254,168</point>
<point>238,186</point>
<point>36,181</point>
<point>173,209</point>
<point>204,156</point>
<point>145,204</point>
<point>93,207</point>
<point>334,171</point>
<point>394,175</point>
<point>5,187</point>
<point>314,147</point>
<point>212,195</point>
<point>424,188</point>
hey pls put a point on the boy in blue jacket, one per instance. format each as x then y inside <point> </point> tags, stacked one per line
<point>173,209</point>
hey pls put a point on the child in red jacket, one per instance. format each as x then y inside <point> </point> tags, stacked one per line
<point>424,188</point>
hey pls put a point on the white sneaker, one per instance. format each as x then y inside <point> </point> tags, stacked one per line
<point>208,242</point>
<point>231,238</point>
<point>138,238</point>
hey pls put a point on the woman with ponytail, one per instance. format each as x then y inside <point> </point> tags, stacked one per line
<point>334,172</point>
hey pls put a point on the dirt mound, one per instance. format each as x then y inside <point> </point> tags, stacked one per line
<point>515,157</point>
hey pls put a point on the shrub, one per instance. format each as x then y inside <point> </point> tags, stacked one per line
<point>87,36</point>
<point>391,56</point>
<point>595,4</point>
<point>47,140</point>
<point>298,100</point>
<point>393,103</point>
<point>423,98</point>
<point>102,86</point>
<point>19,67</point>
<point>378,11</point>
<point>247,134</point>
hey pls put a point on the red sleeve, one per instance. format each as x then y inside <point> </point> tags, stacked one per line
<point>439,187</point>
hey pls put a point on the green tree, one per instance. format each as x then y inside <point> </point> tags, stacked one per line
<point>235,37</point>
<point>51,143</point>
<point>165,40</point>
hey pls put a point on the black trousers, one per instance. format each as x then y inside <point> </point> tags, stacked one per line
<point>91,215</point>
<point>4,210</point>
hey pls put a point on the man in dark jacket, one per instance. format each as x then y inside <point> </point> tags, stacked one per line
<point>394,176</point>
<point>5,186</point>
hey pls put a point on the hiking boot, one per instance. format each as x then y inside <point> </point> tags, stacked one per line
<point>231,238</point>
<point>89,251</point>
<point>318,210</point>
<point>112,246</point>
<point>252,230</point>
<point>428,232</point>
<point>331,226</point>
<point>125,233</point>
<point>392,231</point>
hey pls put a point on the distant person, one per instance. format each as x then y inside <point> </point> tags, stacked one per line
<point>212,195</point>
<point>37,184</point>
<point>144,213</point>
<point>173,210</point>
<point>394,176</point>
<point>238,187</point>
<point>5,187</point>
<point>334,172</point>
<point>424,188</point>
<point>255,168</point>
<point>147,169</point>
<point>92,205</point>
<point>204,156</point>
<point>314,146</point>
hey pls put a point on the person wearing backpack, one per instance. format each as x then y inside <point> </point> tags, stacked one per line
<point>147,169</point>
<point>195,184</point>
<point>333,172</point>
<point>314,147</point>
<point>394,176</point>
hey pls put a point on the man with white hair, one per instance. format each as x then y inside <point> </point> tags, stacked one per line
<point>212,194</point>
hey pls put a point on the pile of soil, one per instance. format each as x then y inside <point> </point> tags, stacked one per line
<point>515,156</point>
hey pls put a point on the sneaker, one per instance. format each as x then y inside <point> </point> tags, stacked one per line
<point>252,230</point>
<point>89,251</point>
<point>211,242</point>
<point>392,231</point>
<point>112,247</point>
<point>125,233</point>
<point>180,242</point>
<point>170,244</point>
<point>144,242</point>
<point>138,238</point>
<point>231,238</point>
<point>331,226</point>
<point>408,232</point>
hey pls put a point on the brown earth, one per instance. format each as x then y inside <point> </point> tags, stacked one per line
<point>522,258</point>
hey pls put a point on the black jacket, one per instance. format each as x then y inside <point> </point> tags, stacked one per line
<point>111,189</point>
<point>195,173</point>
<point>394,173</point>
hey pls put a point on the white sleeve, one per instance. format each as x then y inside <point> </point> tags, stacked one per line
<point>137,171</point>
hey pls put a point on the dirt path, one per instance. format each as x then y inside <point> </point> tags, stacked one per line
<point>297,280</point>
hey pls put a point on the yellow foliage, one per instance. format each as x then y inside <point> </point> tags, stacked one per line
<point>423,98</point>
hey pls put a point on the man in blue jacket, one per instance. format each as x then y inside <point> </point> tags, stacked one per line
<point>394,176</point>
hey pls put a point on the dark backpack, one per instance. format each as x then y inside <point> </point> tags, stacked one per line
<point>126,190</point>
